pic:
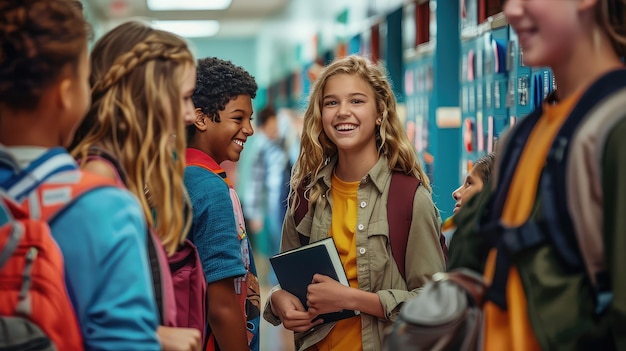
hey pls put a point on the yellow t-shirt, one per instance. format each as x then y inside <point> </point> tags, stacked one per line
<point>511,329</point>
<point>346,335</point>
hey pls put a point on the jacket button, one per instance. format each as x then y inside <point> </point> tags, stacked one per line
<point>363,204</point>
<point>361,227</point>
<point>362,250</point>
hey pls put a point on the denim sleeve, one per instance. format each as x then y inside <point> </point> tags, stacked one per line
<point>103,240</point>
<point>214,231</point>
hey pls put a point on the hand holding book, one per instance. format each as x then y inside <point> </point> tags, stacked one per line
<point>295,270</point>
<point>322,296</point>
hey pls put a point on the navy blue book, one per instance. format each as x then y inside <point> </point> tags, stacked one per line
<point>295,269</point>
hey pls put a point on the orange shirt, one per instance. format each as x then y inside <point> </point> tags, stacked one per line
<point>511,329</point>
<point>346,334</point>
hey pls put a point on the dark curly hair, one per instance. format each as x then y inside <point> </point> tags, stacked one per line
<point>39,39</point>
<point>218,82</point>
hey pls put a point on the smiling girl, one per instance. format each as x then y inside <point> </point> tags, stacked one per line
<point>352,142</point>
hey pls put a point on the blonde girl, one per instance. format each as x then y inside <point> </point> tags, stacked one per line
<point>352,141</point>
<point>142,81</point>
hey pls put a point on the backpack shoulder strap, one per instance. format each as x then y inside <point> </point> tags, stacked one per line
<point>512,147</point>
<point>300,213</point>
<point>220,172</point>
<point>584,187</point>
<point>598,110</point>
<point>156,271</point>
<point>400,215</point>
<point>96,152</point>
<point>24,181</point>
<point>552,187</point>
<point>56,194</point>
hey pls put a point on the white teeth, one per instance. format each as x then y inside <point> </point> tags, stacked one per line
<point>238,142</point>
<point>342,127</point>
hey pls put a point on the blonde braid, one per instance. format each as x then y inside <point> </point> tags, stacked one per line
<point>140,54</point>
<point>135,107</point>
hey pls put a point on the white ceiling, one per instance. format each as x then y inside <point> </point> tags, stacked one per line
<point>243,18</point>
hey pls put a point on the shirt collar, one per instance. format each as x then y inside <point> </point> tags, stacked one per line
<point>377,175</point>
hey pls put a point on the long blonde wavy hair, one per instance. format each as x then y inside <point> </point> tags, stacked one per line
<point>136,74</point>
<point>316,148</point>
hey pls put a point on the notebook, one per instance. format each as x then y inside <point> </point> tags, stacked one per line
<point>295,269</point>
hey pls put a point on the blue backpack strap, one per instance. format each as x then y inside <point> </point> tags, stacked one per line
<point>25,181</point>
<point>510,157</point>
<point>492,228</point>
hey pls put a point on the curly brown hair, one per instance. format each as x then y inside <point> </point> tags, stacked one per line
<point>39,39</point>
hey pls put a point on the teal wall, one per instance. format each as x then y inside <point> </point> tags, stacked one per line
<point>241,52</point>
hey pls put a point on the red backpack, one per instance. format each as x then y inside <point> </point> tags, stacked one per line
<point>35,309</point>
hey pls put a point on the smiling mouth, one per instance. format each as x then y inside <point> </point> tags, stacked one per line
<point>239,142</point>
<point>345,127</point>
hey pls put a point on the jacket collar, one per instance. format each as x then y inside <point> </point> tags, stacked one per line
<point>378,175</point>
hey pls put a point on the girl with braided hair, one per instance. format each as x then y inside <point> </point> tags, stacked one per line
<point>44,93</point>
<point>142,82</point>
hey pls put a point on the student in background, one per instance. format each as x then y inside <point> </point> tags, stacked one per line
<point>352,141</point>
<point>44,93</point>
<point>475,180</point>
<point>142,81</point>
<point>267,198</point>
<point>223,101</point>
<point>540,299</point>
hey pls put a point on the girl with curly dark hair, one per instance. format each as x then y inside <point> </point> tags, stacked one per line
<point>44,93</point>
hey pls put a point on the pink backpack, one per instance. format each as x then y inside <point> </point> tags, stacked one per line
<point>189,288</point>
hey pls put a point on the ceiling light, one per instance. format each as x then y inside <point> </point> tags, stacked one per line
<point>189,29</point>
<point>174,5</point>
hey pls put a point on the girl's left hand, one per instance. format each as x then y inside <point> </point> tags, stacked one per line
<point>326,295</point>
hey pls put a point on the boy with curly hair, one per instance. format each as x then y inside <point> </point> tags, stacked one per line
<point>223,101</point>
